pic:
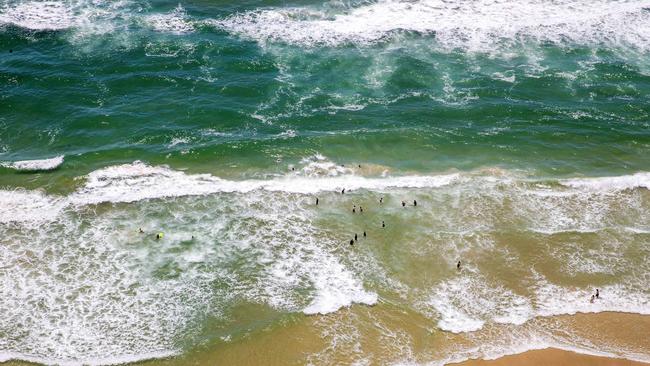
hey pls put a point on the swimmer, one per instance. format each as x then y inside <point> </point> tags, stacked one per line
<point>343,191</point>
<point>364,233</point>
<point>381,200</point>
<point>159,236</point>
<point>359,165</point>
<point>354,208</point>
<point>141,231</point>
<point>360,209</point>
<point>383,224</point>
<point>351,242</point>
<point>403,204</point>
<point>458,266</point>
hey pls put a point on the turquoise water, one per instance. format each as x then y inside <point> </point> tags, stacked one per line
<point>224,121</point>
<point>219,85</point>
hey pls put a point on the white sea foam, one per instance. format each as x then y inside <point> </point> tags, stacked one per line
<point>77,293</point>
<point>556,300</point>
<point>34,165</point>
<point>178,141</point>
<point>89,285</point>
<point>91,18</point>
<point>465,303</point>
<point>137,298</point>
<point>28,206</point>
<point>467,24</point>
<point>638,180</point>
<point>39,15</point>
<point>176,21</point>
<point>138,181</point>
<point>116,360</point>
<point>336,288</point>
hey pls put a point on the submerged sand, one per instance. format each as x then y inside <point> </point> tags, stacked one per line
<point>384,335</point>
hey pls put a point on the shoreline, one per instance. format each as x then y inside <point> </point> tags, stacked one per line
<point>624,329</point>
<point>550,356</point>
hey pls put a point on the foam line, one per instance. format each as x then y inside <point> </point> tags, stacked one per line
<point>466,24</point>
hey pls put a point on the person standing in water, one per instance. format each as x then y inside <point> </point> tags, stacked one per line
<point>597,293</point>
<point>458,266</point>
<point>316,201</point>
<point>403,204</point>
<point>415,203</point>
<point>383,224</point>
<point>351,242</point>
<point>364,233</point>
<point>360,209</point>
<point>343,191</point>
<point>381,200</point>
<point>355,236</point>
<point>354,208</point>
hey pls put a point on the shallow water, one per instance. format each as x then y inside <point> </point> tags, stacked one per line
<point>521,129</point>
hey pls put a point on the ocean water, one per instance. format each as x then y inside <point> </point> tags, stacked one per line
<point>521,128</point>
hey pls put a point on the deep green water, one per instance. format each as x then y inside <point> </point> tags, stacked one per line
<point>519,119</point>
<point>186,92</point>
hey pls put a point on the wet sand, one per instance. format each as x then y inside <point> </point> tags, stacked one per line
<point>551,356</point>
<point>387,335</point>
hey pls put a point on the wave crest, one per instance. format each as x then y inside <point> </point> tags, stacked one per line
<point>35,165</point>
